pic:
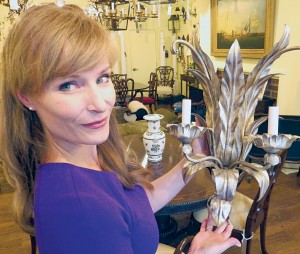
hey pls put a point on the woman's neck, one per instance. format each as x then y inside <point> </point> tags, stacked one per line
<point>83,156</point>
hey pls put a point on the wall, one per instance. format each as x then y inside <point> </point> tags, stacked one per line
<point>286,12</point>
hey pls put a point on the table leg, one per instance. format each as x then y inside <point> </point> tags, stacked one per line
<point>167,227</point>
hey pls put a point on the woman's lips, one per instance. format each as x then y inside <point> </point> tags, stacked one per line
<point>96,124</point>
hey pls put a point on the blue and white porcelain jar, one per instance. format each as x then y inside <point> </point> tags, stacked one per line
<point>154,138</point>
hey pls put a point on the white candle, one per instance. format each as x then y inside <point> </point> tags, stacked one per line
<point>13,4</point>
<point>146,12</point>
<point>122,11</point>
<point>186,111</point>
<point>153,8</point>
<point>106,10</point>
<point>138,6</point>
<point>273,119</point>
<point>169,10</point>
<point>112,6</point>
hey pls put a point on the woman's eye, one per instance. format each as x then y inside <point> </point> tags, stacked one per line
<point>67,86</point>
<point>103,79</point>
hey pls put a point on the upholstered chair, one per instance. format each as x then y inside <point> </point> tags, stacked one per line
<point>165,81</point>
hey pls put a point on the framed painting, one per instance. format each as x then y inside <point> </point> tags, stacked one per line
<point>251,22</point>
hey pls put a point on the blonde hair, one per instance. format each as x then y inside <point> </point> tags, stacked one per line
<point>48,42</point>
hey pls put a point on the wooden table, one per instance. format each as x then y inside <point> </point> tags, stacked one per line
<point>188,79</point>
<point>191,198</point>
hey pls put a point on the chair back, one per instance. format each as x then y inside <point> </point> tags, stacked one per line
<point>152,85</point>
<point>116,76</point>
<point>121,89</point>
<point>165,76</point>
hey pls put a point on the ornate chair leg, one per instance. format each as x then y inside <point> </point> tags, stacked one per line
<point>263,237</point>
<point>150,106</point>
<point>33,244</point>
<point>249,242</point>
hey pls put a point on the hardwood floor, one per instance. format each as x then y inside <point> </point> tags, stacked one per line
<point>283,234</point>
<point>12,239</point>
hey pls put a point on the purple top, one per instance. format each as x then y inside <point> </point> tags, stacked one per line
<point>78,210</point>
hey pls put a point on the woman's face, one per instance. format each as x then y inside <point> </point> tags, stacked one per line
<point>75,110</point>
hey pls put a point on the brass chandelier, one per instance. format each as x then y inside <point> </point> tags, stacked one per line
<point>15,7</point>
<point>116,14</point>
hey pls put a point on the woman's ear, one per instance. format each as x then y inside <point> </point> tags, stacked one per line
<point>25,100</point>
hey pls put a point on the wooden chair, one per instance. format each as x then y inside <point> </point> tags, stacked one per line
<point>247,215</point>
<point>33,244</point>
<point>116,76</point>
<point>165,81</point>
<point>122,86</point>
<point>148,95</point>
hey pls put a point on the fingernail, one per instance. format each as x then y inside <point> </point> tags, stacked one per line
<point>238,244</point>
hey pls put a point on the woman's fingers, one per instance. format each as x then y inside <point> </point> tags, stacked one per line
<point>220,229</point>
<point>228,230</point>
<point>231,242</point>
<point>210,222</point>
<point>203,225</point>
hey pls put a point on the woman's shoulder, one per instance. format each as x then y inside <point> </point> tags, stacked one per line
<point>63,169</point>
<point>63,181</point>
<point>67,180</point>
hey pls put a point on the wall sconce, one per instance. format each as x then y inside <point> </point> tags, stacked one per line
<point>186,14</point>
<point>173,23</point>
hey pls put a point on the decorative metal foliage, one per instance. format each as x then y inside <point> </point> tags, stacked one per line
<point>230,106</point>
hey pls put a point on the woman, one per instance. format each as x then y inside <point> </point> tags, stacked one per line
<point>63,153</point>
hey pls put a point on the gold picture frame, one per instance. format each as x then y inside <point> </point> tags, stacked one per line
<point>250,22</point>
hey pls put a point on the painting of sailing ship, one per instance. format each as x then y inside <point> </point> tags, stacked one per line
<point>248,21</point>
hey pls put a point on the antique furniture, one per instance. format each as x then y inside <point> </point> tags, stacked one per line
<point>165,81</point>
<point>189,80</point>
<point>117,76</point>
<point>148,95</point>
<point>122,87</point>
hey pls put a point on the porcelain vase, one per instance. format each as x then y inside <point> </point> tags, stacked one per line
<point>154,138</point>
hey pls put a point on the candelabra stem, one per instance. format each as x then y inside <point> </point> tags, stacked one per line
<point>206,158</point>
<point>252,166</point>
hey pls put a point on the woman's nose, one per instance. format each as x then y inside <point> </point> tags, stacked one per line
<point>96,99</point>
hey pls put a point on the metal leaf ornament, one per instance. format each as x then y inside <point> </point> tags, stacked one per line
<point>230,106</point>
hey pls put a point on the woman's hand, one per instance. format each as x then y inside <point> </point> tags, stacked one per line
<point>213,242</point>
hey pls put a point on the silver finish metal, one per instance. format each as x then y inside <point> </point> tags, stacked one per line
<point>230,106</point>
